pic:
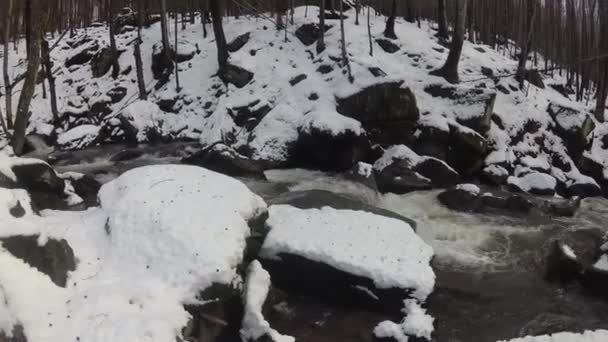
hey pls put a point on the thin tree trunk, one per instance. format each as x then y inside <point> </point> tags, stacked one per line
<point>442,20</point>
<point>321,41</point>
<point>357,10</point>
<point>450,69</point>
<point>602,90</point>
<point>143,94</point>
<point>48,66</point>
<point>8,93</point>
<point>345,61</point>
<point>204,12</point>
<point>163,25</point>
<point>220,37</point>
<point>369,29</point>
<point>29,86</point>
<point>115,65</point>
<point>177,87</point>
<point>523,58</point>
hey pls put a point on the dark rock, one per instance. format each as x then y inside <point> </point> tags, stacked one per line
<point>549,324</point>
<point>535,78</point>
<point>45,187</point>
<point>388,112</point>
<point>183,56</point>
<point>297,79</point>
<point>469,150</point>
<point>499,203</point>
<point>325,69</point>
<point>460,199</point>
<point>313,97</point>
<point>440,174</point>
<point>595,281</point>
<point>584,190</point>
<point>239,42</point>
<point>387,45</point>
<point>82,57</point>
<point>55,258</point>
<point>317,199</point>
<point>502,89</point>
<point>17,211</point>
<point>223,159</point>
<point>494,175</point>
<point>318,149</point>
<point>595,170</point>
<point>334,16</point>
<point>236,75</point>
<point>162,63</point>
<point>87,188</point>
<point>363,174</point>
<point>309,34</point>
<point>564,90</point>
<point>513,88</point>
<point>399,178</point>
<point>249,116</point>
<point>573,252</point>
<point>117,94</point>
<point>575,136</point>
<point>488,72</point>
<point>101,62</point>
<point>377,72</point>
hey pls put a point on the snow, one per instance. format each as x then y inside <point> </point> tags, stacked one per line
<point>569,252</point>
<point>383,249</point>
<point>396,153</point>
<point>256,290</point>
<point>162,235</point>
<point>534,180</point>
<point>330,122</point>
<point>78,137</point>
<point>470,188</point>
<point>496,170</point>
<point>602,263</point>
<point>587,336</point>
<point>416,323</point>
<point>364,169</point>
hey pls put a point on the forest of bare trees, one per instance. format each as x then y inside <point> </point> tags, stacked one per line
<point>569,37</point>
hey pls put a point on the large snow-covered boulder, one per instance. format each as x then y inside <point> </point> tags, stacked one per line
<point>587,336</point>
<point>347,255</point>
<point>388,111</point>
<point>574,126</point>
<point>535,183</point>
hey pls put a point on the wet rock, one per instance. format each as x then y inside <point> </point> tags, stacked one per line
<point>470,198</point>
<point>387,45</point>
<point>309,34</point>
<point>440,174</point>
<point>223,159</point>
<point>101,62</point>
<point>236,75</point>
<point>377,72</point>
<point>461,198</point>
<point>43,184</point>
<point>317,199</point>
<point>363,174</point>
<point>572,253</point>
<point>239,42</point>
<point>494,174</point>
<point>388,112</point>
<point>549,323</point>
<point>126,155</point>
<point>535,78</point>
<point>319,149</point>
<point>297,79</point>
<point>584,190</point>
<point>86,187</point>
<point>55,258</point>
<point>468,150</point>
<point>595,170</point>
<point>399,178</point>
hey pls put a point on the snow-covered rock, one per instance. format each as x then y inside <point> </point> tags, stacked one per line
<point>352,248</point>
<point>587,336</point>
<point>535,183</point>
<point>416,324</point>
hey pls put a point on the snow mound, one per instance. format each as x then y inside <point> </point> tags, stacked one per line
<point>395,153</point>
<point>256,290</point>
<point>470,188</point>
<point>587,336</point>
<point>534,181</point>
<point>416,323</point>
<point>383,249</point>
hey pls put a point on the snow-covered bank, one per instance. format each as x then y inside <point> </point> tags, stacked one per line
<point>587,336</point>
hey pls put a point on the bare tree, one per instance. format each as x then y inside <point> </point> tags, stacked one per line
<point>8,93</point>
<point>114,51</point>
<point>31,75</point>
<point>526,46</point>
<point>321,41</point>
<point>602,89</point>
<point>449,71</point>
<point>163,26</point>
<point>177,87</point>
<point>442,20</point>
<point>48,67</point>
<point>369,29</point>
<point>345,61</point>
<point>220,37</point>
<point>143,94</point>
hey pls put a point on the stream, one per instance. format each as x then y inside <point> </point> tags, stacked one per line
<point>489,268</point>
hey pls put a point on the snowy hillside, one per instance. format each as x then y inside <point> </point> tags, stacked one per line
<point>296,93</point>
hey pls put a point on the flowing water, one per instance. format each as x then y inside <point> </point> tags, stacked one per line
<point>489,268</point>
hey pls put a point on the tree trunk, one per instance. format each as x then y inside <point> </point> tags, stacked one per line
<point>357,10</point>
<point>143,94</point>
<point>220,37</point>
<point>321,41</point>
<point>602,90</point>
<point>29,86</point>
<point>389,31</point>
<point>115,65</point>
<point>345,61</point>
<point>8,93</point>
<point>450,69</point>
<point>369,30</point>
<point>177,87</point>
<point>442,20</point>
<point>410,14</point>
<point>163,25</point>
<point>525,49</point>
<point>204,13</point>
<point>48,66</point>
<point>27,20</point>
